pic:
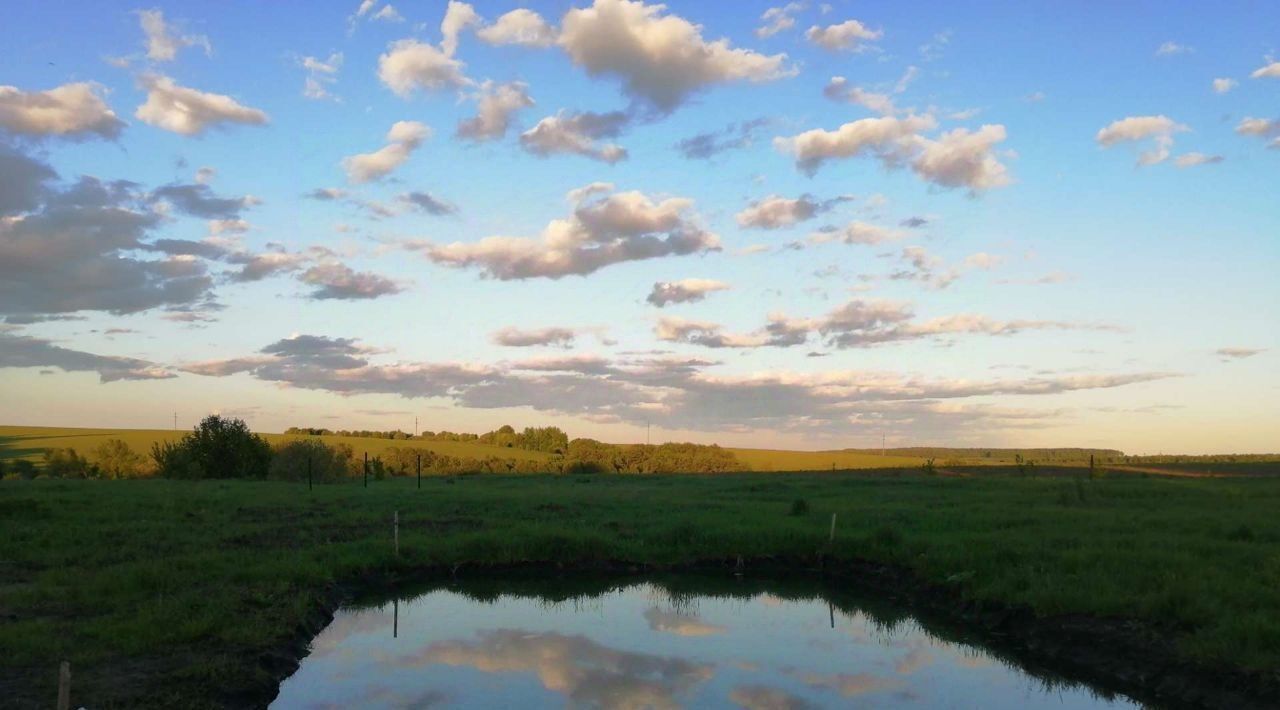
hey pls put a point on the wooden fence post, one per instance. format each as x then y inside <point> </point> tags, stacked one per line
<point>419,470</point>
<point>64,686</point>
<point>396,521</point>
<point>366,469</point>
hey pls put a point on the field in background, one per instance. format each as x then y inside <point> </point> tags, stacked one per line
<point>779,460</point>
<point>30,443</point>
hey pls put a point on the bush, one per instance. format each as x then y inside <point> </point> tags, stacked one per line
<point>290,459</point>
<point>800,506</point>
<point>928,468</point>
<point>23,469</point>
<point>217,448</point>
<point>115,459</point>
<point>66,463</point>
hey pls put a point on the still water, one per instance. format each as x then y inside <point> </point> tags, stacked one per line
<point>654,644</point>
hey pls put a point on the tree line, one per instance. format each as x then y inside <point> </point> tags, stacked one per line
<point>549,439</point>
<point>221,447</point>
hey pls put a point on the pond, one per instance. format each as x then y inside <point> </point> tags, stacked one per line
<point>661,643</point>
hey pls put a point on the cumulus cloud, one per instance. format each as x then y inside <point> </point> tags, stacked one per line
<point>957,158</point>
<point>458,16</point>
<point>838,89</point>
<point>82,247</point>
<point>848,36</point>
<point>190,112</point>
<point>1222,86</point>
<point>255,267</point>
<point>578,134</point>
<point>602,230</point>
<point>72,111</point>
<point>521,27</point>
<point>1188,160</point>
<point>705,146</point>
<point>337,281</point>
<point>684,291</point>
<point>163,42</point>
<point>1262,128</point>
<point>387,13</point>
<point>776,212</point>
<point>892,140</point>
<point>1132,129</point>
<point>27,351</point>
<point>497,104</point>
<point>513,337</point>
<point>778,19</point>
<point>409,65</point>
<point>1270,70</point>
<point>403,138</point>
<point>661,59</point>
<point>320,74</point>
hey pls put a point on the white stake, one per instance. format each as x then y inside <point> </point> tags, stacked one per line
<point>64,686</point>
<point>833,528</point>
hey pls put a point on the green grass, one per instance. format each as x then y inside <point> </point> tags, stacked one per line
<point>31,442</point>
<point>165,593</point>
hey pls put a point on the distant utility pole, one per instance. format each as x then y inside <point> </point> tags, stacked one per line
<point>646,432</point>
<point>175,421</point>
<point>415,426</point>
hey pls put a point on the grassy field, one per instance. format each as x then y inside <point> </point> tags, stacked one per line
<point>780,460</point>
<point>31,442</point>
<point>170,593</point>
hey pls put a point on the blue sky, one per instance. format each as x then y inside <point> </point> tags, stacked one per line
<point>1064,227</point>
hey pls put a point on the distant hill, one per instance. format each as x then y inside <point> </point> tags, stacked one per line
<point>983,455</point>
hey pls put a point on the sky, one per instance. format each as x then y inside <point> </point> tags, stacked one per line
<point>804,225</point>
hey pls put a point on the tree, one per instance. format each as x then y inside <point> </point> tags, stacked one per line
<point>290,460</point>
<point>216,448</point>
<point>66,463</point>
<point>115,459</point>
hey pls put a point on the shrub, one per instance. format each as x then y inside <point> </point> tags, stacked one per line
<point>115,459</point>
<point>799,506</point>
<point>290,459</point>
<point>928,468</point>
<point>216,448</point>
<point>23,469</point>
<point>66,463</point>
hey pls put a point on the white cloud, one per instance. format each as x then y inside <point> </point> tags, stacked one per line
<point>410,65</point>
<point>848,36</point>
<point>577,133</point>
<point>388,13</point>
<point>1262,128</point>
<point>957,158</point>
<point>458,16</point>
<point>1187,160</point>
<point>684,291</point>
<point>1139,128</point>
<point>608,229</point>
<point>190,112</point>
<point>661,59</point>
<point>1269,70</point>
<point>856,232</point>
<point>1170,48</point>
<point>403,138</point>
<point>1222,86</point>
<point>960,158</point>
<point>27,351</point>
<point>320,73</point>
<point>521,27</point>
<point>497,103</point>
<point>1238,353</point>
<point>513,337</point>
<point>335,280</point>
<point>73,111</point>
<point>838,89</point>
<point>162,43</point>
<point>778,19</point>
<point>776,212</point>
